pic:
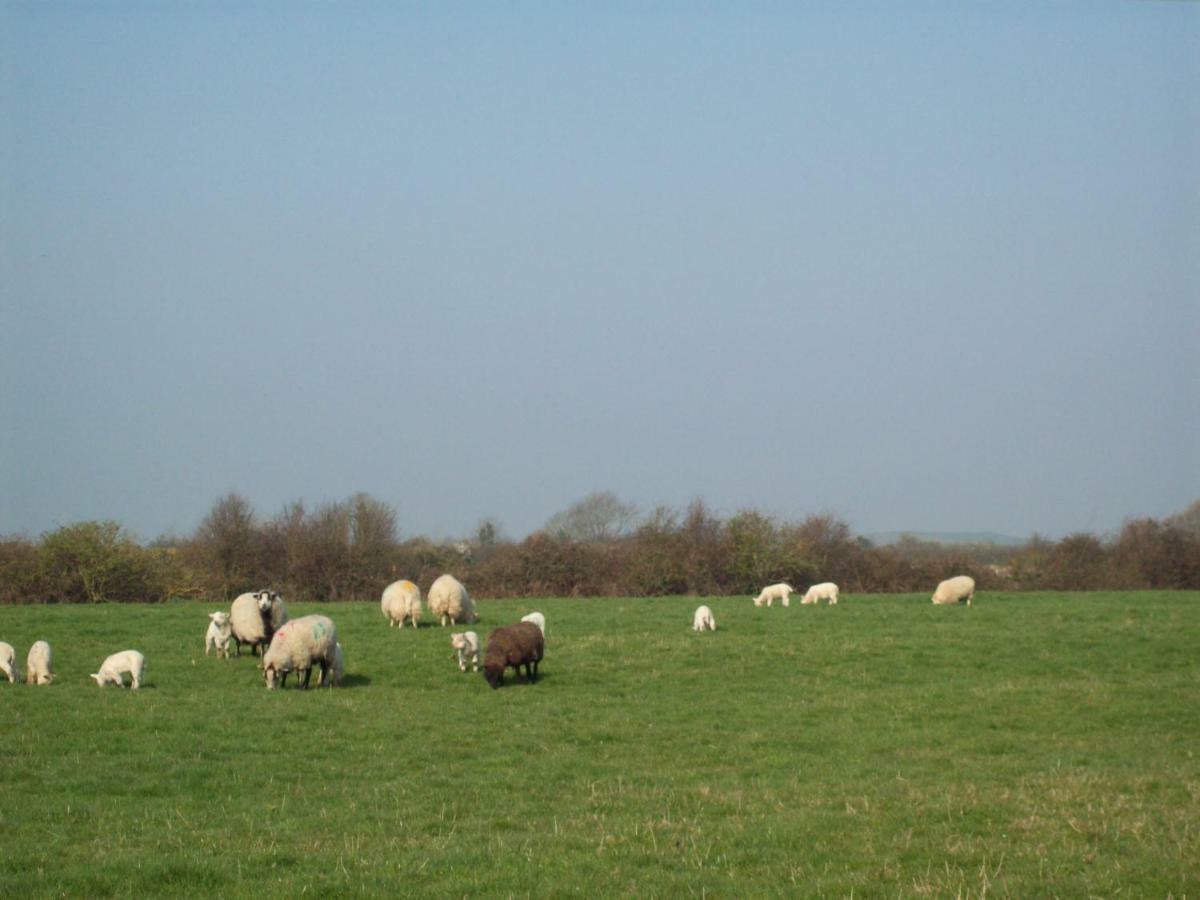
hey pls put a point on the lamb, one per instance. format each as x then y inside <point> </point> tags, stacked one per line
<point>112,670</point>
<point>254,618</point>
<point>337,669</point>
<point>466,644</point>
<point>537,619</point>
<point>513,645</point>
<point>703,619</point>
<point>7,666</point>
<point>401,600</point>
<point>219,634</point>
<point>39,664</point>
<point>826,590</point>
<point>450,602</point>
<point>296,646</point>
<point>773,592</point>
<point>958,589</point>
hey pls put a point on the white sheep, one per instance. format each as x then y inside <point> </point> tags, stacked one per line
<point>826,590</point>
<point>773,592</point>
<point>254,617</point>
<point>401,600</point>
<point>7,664</point>
<point>296,646</point>
<point>39,664</point>
<point>219,634</point>
<point>537,619</point>
<point>337,669</point>
<point>958,589</point>
<point>112,669</point>
<point>466,644</point>
<point>702,619</point>
<point>449,601</point>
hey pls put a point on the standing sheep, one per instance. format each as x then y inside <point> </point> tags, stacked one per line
<point>466,644</point>
<point>219,634</point>
<point>827,590</point>
<point>702,619</point>
<point>450,602</point>
<point>959,589</point>
<point>337,669</point>
<point>39,664</point>
<point>773,592</point>
<point>513,645</point>
<point>7,664</point>
<point>537,619</point>
<point>401,600</point>
<point>296,646</point>
<point>112,670</point>
<point>254,618</point>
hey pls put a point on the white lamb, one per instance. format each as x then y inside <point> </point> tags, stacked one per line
<point>401,600</point>
<point>537,619</point>
<point>7,664</point>
<point>219,634</point>
<point>39,664</point>
<point>703,620</point>
<point>450,602</point>
<point>959,589</point>
<point>296,646</point>
<point>466,644</point>
<point>773,592</point>
<point>113,669</point>
<point>827,590</point>
<point>337,669</point>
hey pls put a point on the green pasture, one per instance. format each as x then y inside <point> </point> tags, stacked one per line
<point>1033,745</point>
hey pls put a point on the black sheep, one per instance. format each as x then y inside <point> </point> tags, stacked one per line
<point>513,645</point>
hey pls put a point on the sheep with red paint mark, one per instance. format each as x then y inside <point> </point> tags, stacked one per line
<point>296,647</point>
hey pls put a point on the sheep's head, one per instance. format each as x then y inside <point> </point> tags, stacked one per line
<point>458,641</point>
<point>219,618</point>
<point>98,678</point>
<point>264,601</point>
<point>494,673</point>
<point>271,676</point>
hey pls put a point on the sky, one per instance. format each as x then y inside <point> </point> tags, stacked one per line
<point>927,266</point>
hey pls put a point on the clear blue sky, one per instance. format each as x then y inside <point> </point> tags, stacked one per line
<point>926,266</point>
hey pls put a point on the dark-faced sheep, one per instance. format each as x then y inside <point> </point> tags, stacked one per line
<point>254,618</point>
<point>513,645</point>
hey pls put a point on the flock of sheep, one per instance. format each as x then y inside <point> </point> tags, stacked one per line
<point>260,620</point>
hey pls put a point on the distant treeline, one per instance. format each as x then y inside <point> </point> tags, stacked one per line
<point>598,547</point>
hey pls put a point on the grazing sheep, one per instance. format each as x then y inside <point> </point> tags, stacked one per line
<point>958,589</point>
<point>537,619</point>
<point>7,666</point>
<point>254,618</point>
<point>113,669</point>
<point>773,592</point>
<point>39,667</point>
<point>219,634</point>
<point>401,600</point>
<point>337,669</point>
<point>466,644</point>
<point>513,645</point>
<point>826,590</point>
<point>296,646</point>
<point>703,619</point>
<point>449,601</point>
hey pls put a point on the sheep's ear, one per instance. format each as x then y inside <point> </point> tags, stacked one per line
<point>95,675</point>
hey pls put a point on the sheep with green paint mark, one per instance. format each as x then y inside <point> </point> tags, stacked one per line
<point>296,647</point>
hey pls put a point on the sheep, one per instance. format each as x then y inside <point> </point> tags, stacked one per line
<point>955,590</point>
<point>537,619</point>
<point>219,634</point>
<point>702,619</point>
<point>449,601</point>
<point>254,618</point>
<point>513,645</point>
<point>7,666</point>
<point>773,592</point>
<point>337,669</point>
<point>296,646</point>
<point>39,664</point>
<point>112,670</point>
<point>401,600</point>
<point>826,590</point>
<point>466,644</point>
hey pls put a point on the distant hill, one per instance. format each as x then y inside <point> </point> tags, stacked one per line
<point>949,537</point>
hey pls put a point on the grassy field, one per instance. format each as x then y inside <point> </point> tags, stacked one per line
<point>1032,745</point>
